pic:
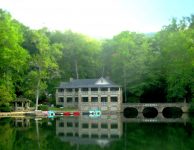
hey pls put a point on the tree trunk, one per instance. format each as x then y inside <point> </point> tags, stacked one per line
<point>37,94</point>
<point>76,70</point>
<point>125,85</point>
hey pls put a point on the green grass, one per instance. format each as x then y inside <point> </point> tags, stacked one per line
<point>62,109</point>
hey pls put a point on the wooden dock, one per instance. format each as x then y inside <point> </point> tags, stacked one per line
<point>16,114</point>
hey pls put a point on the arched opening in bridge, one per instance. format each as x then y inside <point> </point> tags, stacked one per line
<point>172,112</point>
<point>130,112</point>
<point>150,112</point>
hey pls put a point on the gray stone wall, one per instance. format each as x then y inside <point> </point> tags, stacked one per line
<point>108,100</point>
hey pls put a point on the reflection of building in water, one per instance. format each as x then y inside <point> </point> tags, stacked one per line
<point>86,130</point>
<point>21,122</point>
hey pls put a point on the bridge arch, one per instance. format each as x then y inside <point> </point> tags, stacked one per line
<point>130,112</point>
<point>172,112</point>
<point>159,106</point>
<point>150,112</point>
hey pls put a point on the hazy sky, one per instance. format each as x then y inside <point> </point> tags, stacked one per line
<point>98,18</point>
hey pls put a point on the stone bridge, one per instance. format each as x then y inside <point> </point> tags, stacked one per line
<point>158,106</point>
<point>158,119</point>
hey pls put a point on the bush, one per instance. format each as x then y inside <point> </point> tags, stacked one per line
<point>191,109</point>
<point>43,107</point>
<point>58,106</point>
<point>5,108</point>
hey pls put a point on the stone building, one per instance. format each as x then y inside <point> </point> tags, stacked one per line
<point>90,94</point>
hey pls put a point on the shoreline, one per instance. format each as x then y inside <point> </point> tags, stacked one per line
<point>28,113</point>
<point>12,114</point>
<point>40,113</point>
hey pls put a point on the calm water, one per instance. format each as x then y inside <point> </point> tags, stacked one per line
<point>110,132</point>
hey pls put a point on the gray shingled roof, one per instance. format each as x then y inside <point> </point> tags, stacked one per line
<point>78,83</point>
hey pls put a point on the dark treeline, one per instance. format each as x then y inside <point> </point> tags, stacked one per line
<point>156,68</point>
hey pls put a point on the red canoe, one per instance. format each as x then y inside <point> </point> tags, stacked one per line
<point>76,113</point>
<point>66,113</point>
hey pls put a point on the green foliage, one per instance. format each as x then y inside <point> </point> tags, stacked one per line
<point>123,55</point>
<point>176,58</point>
<point>164,61</point>
<point>42,65</point>
<point>80,55</point>
<point>33,62</point>
<point>13,57</point>
<point>5,108</point>
<point>43,107</point>
<point>5,95</point>
<point>7,137</point>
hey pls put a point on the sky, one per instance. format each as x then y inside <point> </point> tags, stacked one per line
<point>98,18</point>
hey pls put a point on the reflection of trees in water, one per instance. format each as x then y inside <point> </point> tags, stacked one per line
<point>136,136</point>
<point>158,136</point>
<point>7,134</point>
<point>40,135</point>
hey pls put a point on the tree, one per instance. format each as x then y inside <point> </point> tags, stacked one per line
<point>43,65</point>
<point>176,57</point>
<point>127,55</point>
<point>80,55</point>
<point>13,57</point>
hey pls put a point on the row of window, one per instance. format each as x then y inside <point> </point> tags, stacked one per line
<point>86,125</point>
<point>85,99</point>
<point>70,134</point>
<point>87,89</point>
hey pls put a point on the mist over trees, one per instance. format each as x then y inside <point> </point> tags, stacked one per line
<point>157,68</point>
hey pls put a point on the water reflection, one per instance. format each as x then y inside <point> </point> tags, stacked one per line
<point>22,122</point>
<point>86,130</point>
<point>160,118</point>
<point>110,132</point>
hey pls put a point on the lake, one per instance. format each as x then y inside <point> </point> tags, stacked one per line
<point>108,132</point>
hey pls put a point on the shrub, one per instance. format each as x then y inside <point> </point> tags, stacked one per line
<point>5,108</point>
<point>58,106</point>
<point>43,107</point>
<point>191,109</point>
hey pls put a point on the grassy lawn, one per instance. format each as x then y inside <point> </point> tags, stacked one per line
<point>62,109</point>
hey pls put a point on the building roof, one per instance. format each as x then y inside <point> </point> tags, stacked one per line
<point>22,100</point>
<point>79,83</point>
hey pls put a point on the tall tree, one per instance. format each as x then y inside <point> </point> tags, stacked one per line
<point>80,55</point>
<point>43,65</point>
<point>125,57</point>
<point>177,54</point>
<point>13,57</point>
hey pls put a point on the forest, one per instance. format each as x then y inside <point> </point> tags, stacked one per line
<point>156,67</point>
